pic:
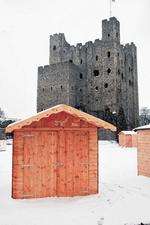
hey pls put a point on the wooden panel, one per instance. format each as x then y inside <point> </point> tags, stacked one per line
<point>52,148</point>
<point>39,165</point>
<point>17,172</point>
<point>61,165</point>
<point>80,163</point>
<point>93,162</point>
<point>55,163</point>
<point>69,163</point>
<point>28,164</point>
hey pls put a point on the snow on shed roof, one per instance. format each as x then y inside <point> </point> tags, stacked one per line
<point>146,127</point>
<point>128,132</point>
<point>61,108</point>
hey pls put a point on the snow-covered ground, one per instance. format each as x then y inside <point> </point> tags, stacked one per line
<point>124,197</point>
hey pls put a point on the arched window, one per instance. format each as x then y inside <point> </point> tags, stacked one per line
<point>96,88</point>
<point>108,54</point>
<point>81,75</point>
<point>96,57</point>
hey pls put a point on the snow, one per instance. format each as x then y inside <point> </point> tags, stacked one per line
<point>124,197</point>
<point>128,132</point>
<point>143,127</point>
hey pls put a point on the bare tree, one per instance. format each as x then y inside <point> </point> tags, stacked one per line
<point>144,116</point>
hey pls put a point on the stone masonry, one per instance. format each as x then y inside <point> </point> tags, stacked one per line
<point>97,77</point>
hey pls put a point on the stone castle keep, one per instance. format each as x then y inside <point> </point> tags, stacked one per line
<point>99,77</point>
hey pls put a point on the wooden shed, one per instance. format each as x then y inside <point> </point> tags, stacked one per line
<point>55,153</point>
<point>143,150</point>
<point>128,139</point>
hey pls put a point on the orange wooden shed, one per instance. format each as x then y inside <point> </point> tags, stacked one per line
<point>55,153</point>
<point>128,139</point>
<point>143,150</point>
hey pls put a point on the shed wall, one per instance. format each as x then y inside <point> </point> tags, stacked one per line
<point>144,152</point>
<point>51,160</point>
<point>125,140</point>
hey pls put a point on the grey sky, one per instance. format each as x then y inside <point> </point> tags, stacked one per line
<point>25,26</point>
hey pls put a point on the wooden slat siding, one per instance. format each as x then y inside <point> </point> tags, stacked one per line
<point>43,150</point>
<point>17,172</point>
<point>84,164</point>
<point>52,159</point>
<point>28,164</point>
<point>70,122</point>
<point>93,162</point>
<point>76,163</point>
<point>144,153</point>
<point>35,164</point>
<point>61,165</point>
<point>57,129</point>
<point>69,163</point>
<point>69,151</point>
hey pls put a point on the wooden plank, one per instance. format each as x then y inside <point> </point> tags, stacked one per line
<point>52,145</point>
<point>28,170</point>
<point>57,129</point>
<point>84,164</point>
<point>93,162</point>
<point>69,163</point>
<point>61,166</point>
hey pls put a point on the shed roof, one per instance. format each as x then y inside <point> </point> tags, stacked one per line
<point>61,108</point>
<point>146,127</point>
<point>128,132</point>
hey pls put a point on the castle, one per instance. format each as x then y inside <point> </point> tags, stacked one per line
<point>99,78</point>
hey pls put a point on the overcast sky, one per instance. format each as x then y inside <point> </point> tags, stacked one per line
<point>25,26</point>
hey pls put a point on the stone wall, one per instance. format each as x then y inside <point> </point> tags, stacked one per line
<point>93,77</point>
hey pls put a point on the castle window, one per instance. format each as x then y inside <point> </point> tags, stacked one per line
<point>54,47</point>
<point>81,61</point>
<point>129,68</point>
<point>117,34</point>
<point>108,70</point>
<point>70,60</point>
<point>80,90</point>
<point>43,89</point>
<point>96,58</point>
<point>108,54</point>
<point>105,85</point>
<point>51,88</point>
<point>81,75</point>
<point>108,35</point>
<point>130,83</point>
<point>118,71</point>
<point>96,88</point>
<point>96,73</point>
<point>118,53</point>
<point>122,76</point>
<point>96,99</point>
<point>61,87</point>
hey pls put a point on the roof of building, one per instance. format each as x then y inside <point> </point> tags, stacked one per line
<point>61,108</point>
<point>146,127</point>
<point>128,132</point>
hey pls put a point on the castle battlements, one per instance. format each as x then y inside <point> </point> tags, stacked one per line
<point>96,77</point>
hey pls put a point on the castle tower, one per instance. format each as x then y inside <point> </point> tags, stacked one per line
<point>98,77</point>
